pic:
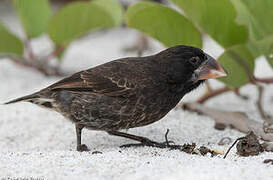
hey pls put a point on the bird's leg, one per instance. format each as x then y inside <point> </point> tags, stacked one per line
<point>80,147</point>
<point>143,140</point>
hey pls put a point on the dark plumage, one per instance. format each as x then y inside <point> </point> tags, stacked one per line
<point>129,92</point>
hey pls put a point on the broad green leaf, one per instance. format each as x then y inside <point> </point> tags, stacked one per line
<point>34,15</point>
<point>76,19</point>
<point>261,15</point>
<point>239,63</point>
<point>245,17</point>
<point>113,7</point>
<point>265,46</point>
<point>216,18</point>
<point>9,43</point>
<point>163,23</point>
<point>257,15</point>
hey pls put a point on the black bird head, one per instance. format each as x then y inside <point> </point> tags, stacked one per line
<point>189,66</point>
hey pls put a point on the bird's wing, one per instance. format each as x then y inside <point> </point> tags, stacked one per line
<point>117,78</point>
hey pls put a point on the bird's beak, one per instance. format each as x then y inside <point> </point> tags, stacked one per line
<point>210,69</point>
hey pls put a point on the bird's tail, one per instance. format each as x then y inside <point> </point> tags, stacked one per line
<point>24,98</point>
<point>41,98</point>
<point>38,98</point>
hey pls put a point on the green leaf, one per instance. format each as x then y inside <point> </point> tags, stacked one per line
<point>245,17</point>
<point>257,15</point>
<point>34,15</point>
<point>9,43</point>
<point>76,19</point>
<point>163,23</point>
<point>265,46</point>
<point>261,15</point>
<point>239,63</point>
<point>216,18</point>
<point>113,7</point>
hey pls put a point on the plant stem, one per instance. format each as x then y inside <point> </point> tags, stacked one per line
<point>29,51</point>
<point>54,53</point>
<point>268,121</point>
<point>37,65</point>
<point>259,102</point>
<point>264,80</point>
<point>208,85</point>
<point>213,93</point>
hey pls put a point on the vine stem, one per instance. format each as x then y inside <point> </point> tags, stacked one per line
<point>31,61</point>
<point>54,53</point>
<point>213,93</point>
<point>209,88</point>
<point>264,80</point>
<point>37,65</point>
<point>29,51</point>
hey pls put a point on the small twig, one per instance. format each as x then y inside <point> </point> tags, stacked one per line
<point>232,146</point>
<point>213,93</point>
<point>166,137</point>
<point>248,145</point>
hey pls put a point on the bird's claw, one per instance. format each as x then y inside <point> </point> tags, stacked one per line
<point>150,143</point>
<point>169,142</point>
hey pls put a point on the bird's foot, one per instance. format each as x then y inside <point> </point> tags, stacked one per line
<point>82,148</point>
<point>148,142</point>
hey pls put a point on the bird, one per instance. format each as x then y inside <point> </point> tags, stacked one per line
<point>128,92</point>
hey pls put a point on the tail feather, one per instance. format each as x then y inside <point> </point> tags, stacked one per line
<point>24,98</point>
<point>41,99</point>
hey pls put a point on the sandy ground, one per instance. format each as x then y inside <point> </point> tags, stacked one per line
<point>38,143</point>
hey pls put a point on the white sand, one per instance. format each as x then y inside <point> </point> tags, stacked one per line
<point>38,143</point>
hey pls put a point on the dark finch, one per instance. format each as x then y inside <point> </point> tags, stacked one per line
<point>129,92</point>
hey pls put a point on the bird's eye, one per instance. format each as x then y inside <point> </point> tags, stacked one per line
<point>195,60</point>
